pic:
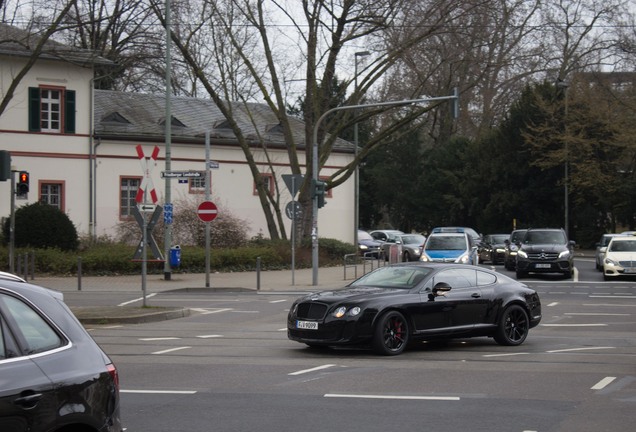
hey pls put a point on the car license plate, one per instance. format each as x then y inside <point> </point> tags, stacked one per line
<point>630,270</point>
<point>307,325</point>
<point>543,265</point>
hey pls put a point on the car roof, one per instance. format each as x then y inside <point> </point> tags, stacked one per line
<point>618,238</point>
<point>10,277</point>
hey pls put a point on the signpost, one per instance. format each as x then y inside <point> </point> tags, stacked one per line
<point>207,211</point>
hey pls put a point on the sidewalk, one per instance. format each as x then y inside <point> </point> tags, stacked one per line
<point>299,281</point>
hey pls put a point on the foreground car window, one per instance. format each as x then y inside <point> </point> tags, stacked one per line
<point>396,277</point>
<point>30,327</point>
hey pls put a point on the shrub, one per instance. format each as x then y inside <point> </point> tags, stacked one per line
<point>42,226</point>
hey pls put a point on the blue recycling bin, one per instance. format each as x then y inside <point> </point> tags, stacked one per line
<point>175,256</point>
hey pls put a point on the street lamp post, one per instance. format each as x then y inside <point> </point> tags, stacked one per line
<point>314,218</point>
<point>356,174</point>
<point>564,85</point>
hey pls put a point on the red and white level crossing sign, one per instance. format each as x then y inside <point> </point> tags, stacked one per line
<point>147,184</point>
<point>207,211</point>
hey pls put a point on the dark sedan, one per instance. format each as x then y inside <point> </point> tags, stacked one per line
<point>398,304</point>
<point>53,376</point>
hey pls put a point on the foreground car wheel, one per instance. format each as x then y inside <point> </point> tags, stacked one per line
<point>391,334</point>
<point>513,326</point>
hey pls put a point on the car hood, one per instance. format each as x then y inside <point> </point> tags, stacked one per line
<point>370,243</point>
<point>621,256</point>
<point>544,248</point>
<point>352,294</point>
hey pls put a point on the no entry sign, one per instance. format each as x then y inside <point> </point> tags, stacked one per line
<point>207,211</point>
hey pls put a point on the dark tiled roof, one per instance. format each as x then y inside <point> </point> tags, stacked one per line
<point>20,43</point>
<point>138,116</point>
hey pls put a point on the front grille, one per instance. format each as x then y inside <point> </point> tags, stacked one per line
<point>541,256</point>
<point>627,263</point>
<point>311,310</point>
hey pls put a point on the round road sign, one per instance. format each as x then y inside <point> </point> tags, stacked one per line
<point>207,211</point>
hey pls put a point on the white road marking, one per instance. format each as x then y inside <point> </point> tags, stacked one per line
<point>171,350</point>
<point>573,325</point>
<point>505,355</point>
<point>159,391</point>
<point>158,338</point>
<point>210,336</point>
<point>278,301</point>
<point>603,383</point>
<point>553,304</point>
<point>300,372</point>
<point>136,300</point>
<point>204,311</point>
<point>614,296</point>
<point>596,314</point>
<point>354,396</point>
<point>580,349</point>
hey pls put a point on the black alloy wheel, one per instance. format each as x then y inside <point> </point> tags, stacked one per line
<point>391,334</point>
<point>513,327</point>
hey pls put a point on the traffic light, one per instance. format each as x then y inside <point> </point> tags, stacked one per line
<point>318,191</point>
<point>22,188</point>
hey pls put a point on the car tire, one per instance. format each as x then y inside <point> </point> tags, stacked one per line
<point>513,326</point>
<point>568,274</point>
<point>391,334</point>
<point>406,257</point>
<point>605,277</point>
<point>521,274</point>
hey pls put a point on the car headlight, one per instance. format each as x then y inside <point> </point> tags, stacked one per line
<point>610,262</point>
<point>342,311</point>
<point>425,257</point>
<point>564,254</point>
<point>363,247</point>
<point>513,248</point>
<point>464,259</point>
<point>522,254</point>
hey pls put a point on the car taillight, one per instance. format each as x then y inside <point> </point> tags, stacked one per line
<point>112,371</point>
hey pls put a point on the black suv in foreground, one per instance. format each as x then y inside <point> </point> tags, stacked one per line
<point>545,250</point>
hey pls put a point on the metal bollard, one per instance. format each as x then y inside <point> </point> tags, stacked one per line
<point>258,273</point>
<point>79,273</point>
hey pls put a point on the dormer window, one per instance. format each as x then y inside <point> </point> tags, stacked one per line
<point>116,118</point>
<point>51,109</point>
<point>173,122</point>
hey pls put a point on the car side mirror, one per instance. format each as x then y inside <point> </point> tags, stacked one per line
<point>441,288</point>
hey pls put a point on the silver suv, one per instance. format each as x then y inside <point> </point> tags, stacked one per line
<point>545,250</point>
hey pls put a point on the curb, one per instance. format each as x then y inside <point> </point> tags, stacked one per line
<point>127,315</point>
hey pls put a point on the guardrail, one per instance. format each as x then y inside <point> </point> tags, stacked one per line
<point>369,262</point>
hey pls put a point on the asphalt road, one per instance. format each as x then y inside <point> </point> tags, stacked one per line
<point>230,367</point>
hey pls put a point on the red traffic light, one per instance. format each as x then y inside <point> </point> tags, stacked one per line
<point>24,177</point>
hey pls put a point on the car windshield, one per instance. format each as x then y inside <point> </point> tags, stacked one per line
<point>544,237</point>
<point>413,239</point>
<point>363,235</point>
<point>623,246</point>
<point>446,243</point>
<point>405,277</point>
<point>495,239</point>
<point>517,236</point>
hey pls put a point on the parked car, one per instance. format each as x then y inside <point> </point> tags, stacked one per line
<point>511,247</point>
<point>493,248</point>
<point>411,245</point>
<point>601,247</point>
<point>451,247</point>
<point>385,235</point>
<point>367,245</point>
<point>545,250</point>
<point>394,305</point>
<point>53,376</point>
<point>620,257</point>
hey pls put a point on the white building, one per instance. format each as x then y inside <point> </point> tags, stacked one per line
<point>79,146</point>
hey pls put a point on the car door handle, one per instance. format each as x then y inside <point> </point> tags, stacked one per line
<point>28,401</point>
<point>475,295</point>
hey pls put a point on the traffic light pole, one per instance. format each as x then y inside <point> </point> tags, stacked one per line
<point>314,167</point>
<point>12,225</point>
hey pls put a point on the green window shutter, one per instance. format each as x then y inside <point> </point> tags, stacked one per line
<point>69,111</point>
<point>34,109</point>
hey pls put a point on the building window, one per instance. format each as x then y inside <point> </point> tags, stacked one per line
<point>127,193</point>
<point>268,182</point>
<point>51,109</point>
<point>197,185</point>
<point>52,193</point>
